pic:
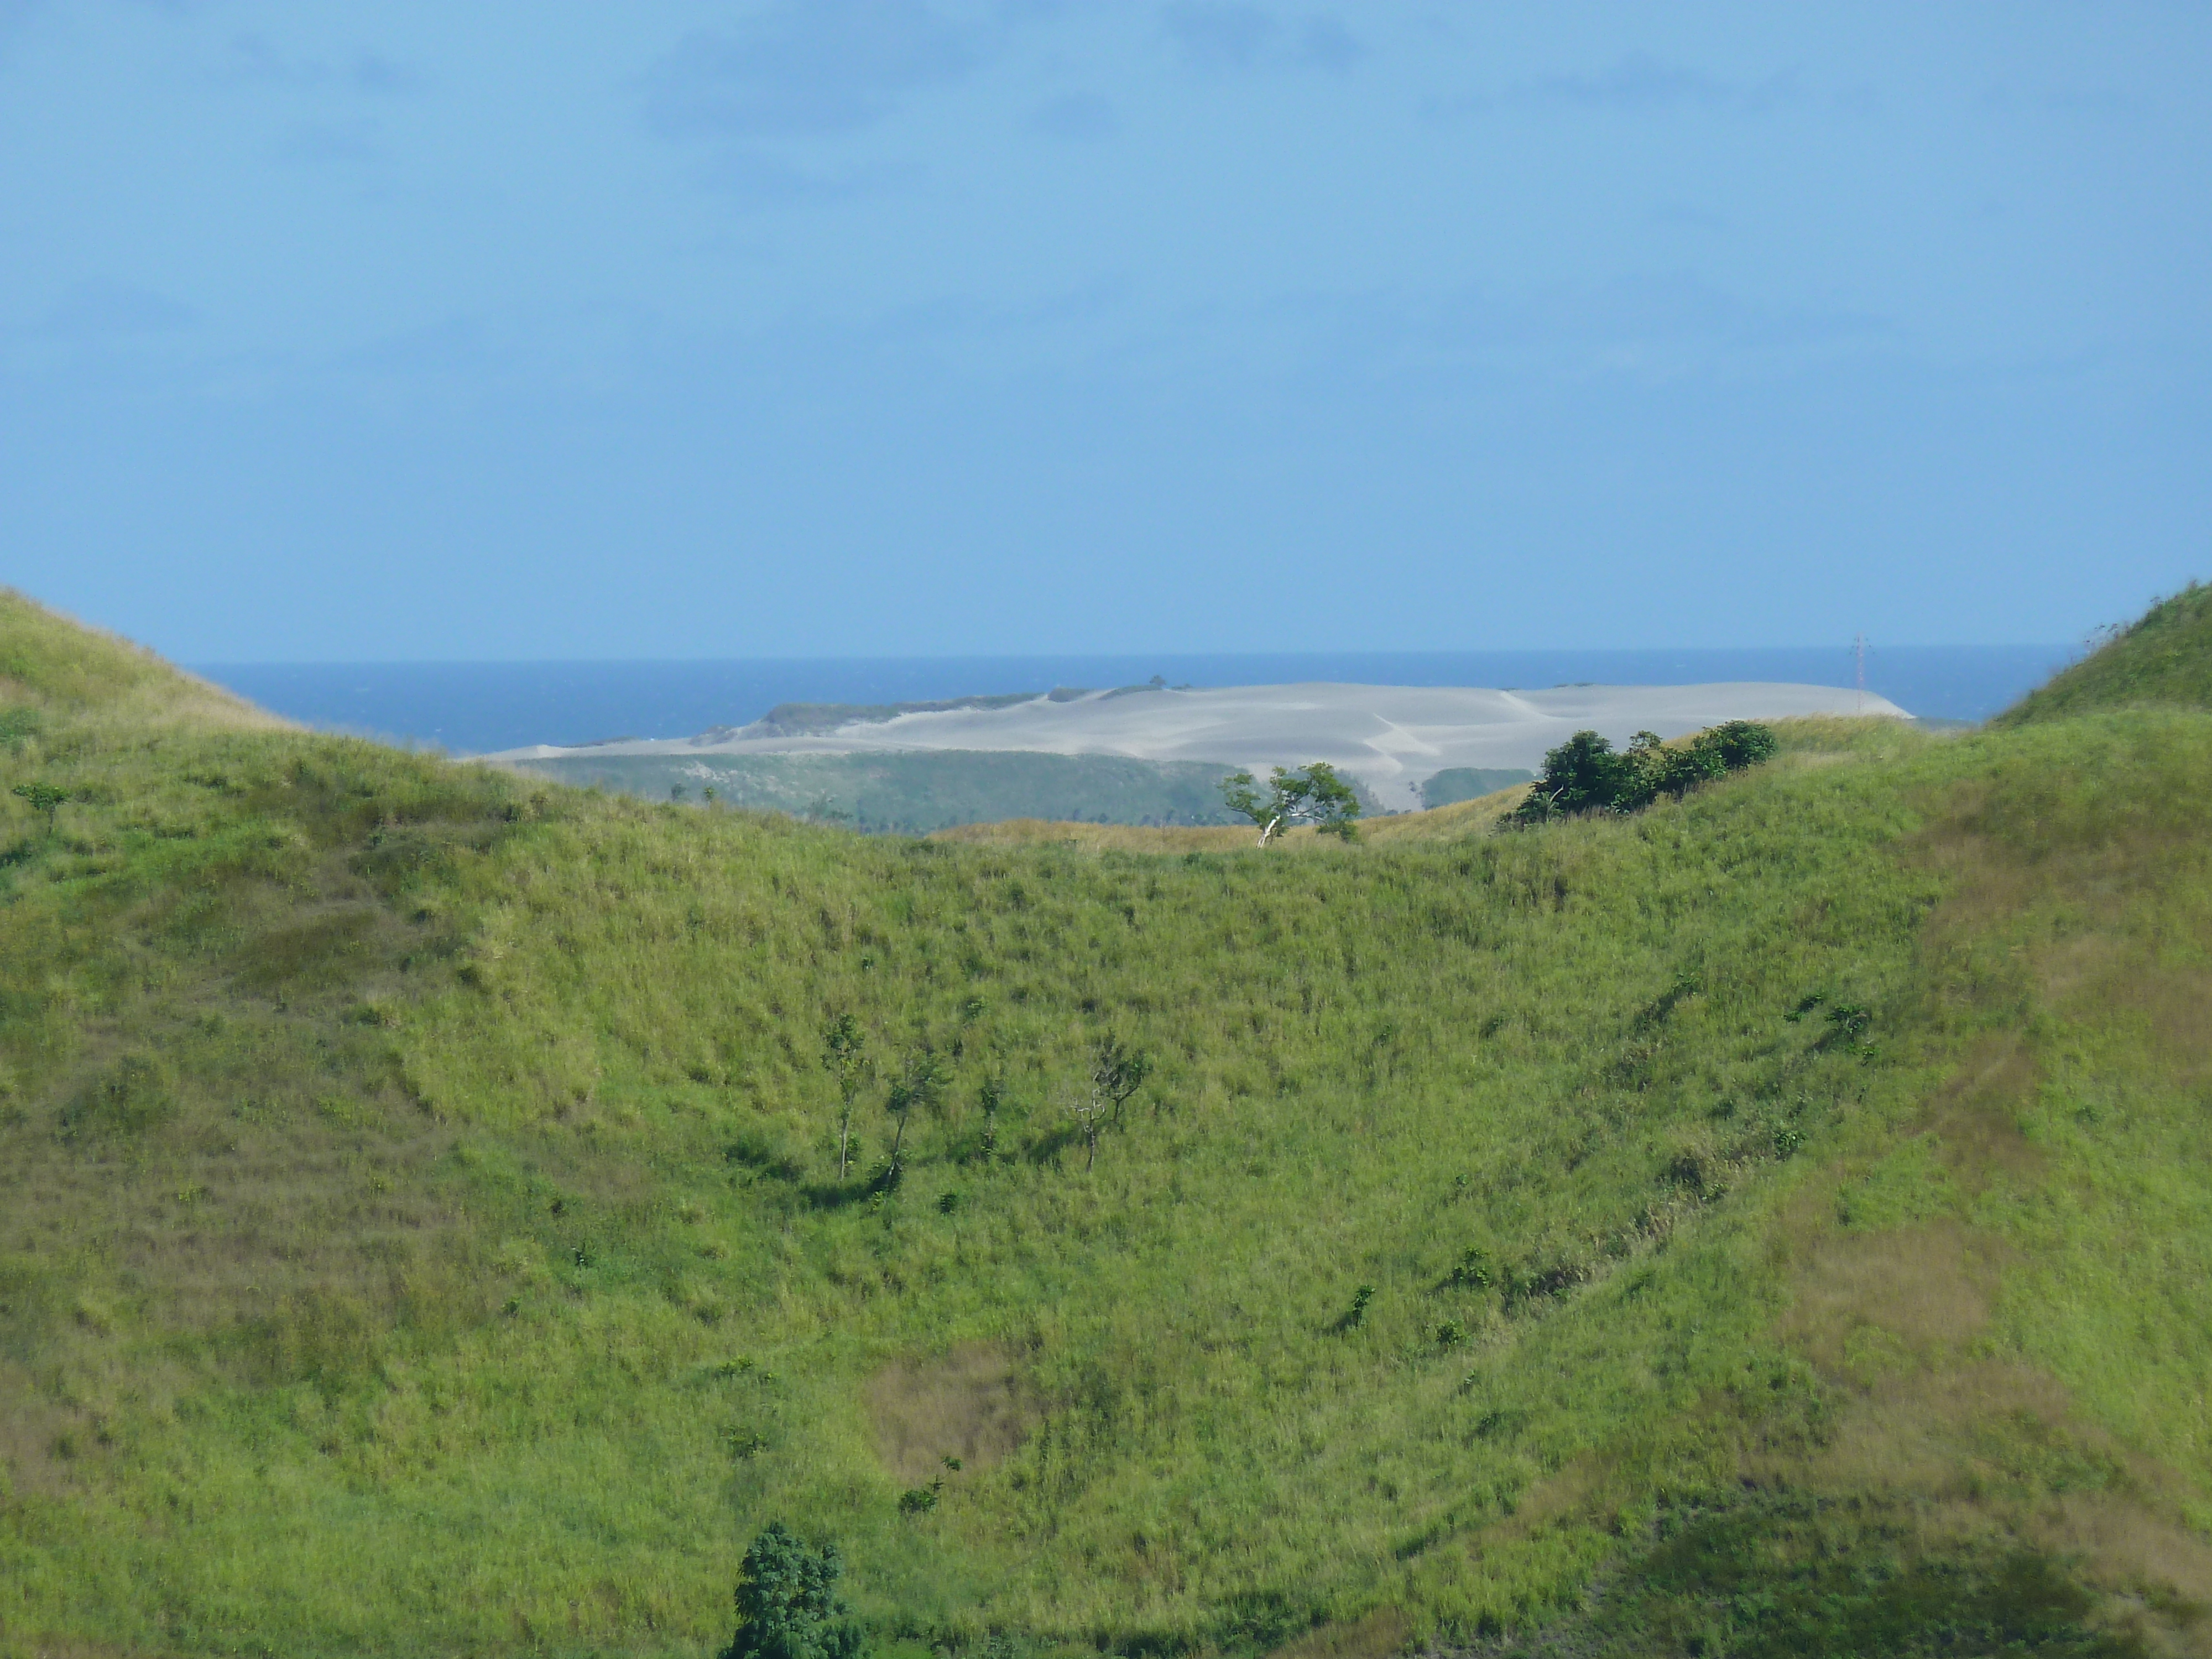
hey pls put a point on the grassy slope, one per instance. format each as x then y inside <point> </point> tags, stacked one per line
<point>419,1229</point>
<point>1458,783</point>
<point>2162,659</point>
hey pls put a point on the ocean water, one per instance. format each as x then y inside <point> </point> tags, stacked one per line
<point>474,707</point>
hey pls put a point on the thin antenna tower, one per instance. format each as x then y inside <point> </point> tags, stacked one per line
<point>1858,652</point>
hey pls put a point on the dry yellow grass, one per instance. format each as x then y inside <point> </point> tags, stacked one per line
<point>1466,817</point>
<point>58,663</point>
<point>1099,837</point>
<point>971,1404</point>
<point>1377,1636</point>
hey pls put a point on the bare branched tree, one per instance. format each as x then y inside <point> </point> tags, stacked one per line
<point>1090,1108</point>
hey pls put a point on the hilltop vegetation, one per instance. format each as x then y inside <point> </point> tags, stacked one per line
<point>1585,775</point>
<point>1774,1222</point>
<point>2162,659</point>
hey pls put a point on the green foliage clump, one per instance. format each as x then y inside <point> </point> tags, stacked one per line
<point>42,798</point>
<point>1362,1299</point>
<point>920,1500</point>
<point>788,1605</point>
<point>1312,794</point>
<point>1586,774</point>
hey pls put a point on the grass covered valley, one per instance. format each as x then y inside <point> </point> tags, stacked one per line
<point>1774,1222</point>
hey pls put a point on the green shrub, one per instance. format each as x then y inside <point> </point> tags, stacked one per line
<point>1586,773</point>
<point>44,798</point>
<point>920,1500</point>
<point>788,1607</point>
<point>1473,1268</point>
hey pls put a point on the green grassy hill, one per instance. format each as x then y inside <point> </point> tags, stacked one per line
<point>1774,1224</point>
<point>2163,659</point>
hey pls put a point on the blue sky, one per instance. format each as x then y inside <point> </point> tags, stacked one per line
<point>885,327</point>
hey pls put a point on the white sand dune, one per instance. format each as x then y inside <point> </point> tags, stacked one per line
<point>1391,738</point>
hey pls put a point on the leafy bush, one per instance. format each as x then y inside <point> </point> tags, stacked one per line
<point>788,1607</point>
<point>44,798</point>
<point>1362,1299</point>
<point>920,1500</point>
<point>1586,773</point>
<point>1473,1268</point>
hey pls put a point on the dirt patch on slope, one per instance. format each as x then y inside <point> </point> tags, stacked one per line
<point>971,1404</point>
<point>1922,1289</point>
<point>1977,1114</point>
<point>1377,1636</point>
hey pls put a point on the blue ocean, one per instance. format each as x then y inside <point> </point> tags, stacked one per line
<point>474,707</point>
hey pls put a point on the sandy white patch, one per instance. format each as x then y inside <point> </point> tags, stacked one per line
<point>1391,738</point>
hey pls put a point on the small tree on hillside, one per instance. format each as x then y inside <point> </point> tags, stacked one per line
<point>1580,775</point>
<point>1090,1108</point>
<point>1313,794</point>
<point>990,1098</point>
<point>921,1083</point>
<point>43,797</point>
<point>1241,794</point>
<point>844,1056</point>
<point>788,1607</point>
<point>1117,1073</point>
